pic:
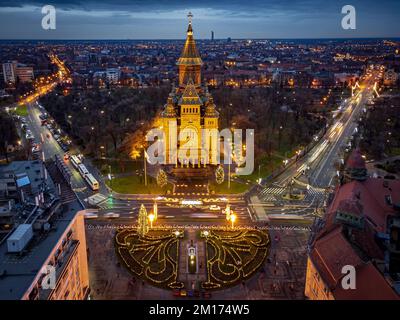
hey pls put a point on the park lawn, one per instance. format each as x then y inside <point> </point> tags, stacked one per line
<point>133,185</point>
<point>222,188</point>
<point>266,168</point>
<point>127,166</point>
<point>395,152</point>
<point>22,111</point>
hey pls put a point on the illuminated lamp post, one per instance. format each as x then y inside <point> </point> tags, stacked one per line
<point>155,210</point>
<point>151,219</point>
<point>233,219</point>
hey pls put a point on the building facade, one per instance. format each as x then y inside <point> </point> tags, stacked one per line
<point>69,258</point>
<point>190,109</point>
<point>24,73</point>
<point>9,72</point>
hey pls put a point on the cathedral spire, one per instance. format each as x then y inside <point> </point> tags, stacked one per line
<point>190,30</point>
<point>189,62</point>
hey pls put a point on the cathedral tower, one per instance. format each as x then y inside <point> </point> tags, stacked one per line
<point>189,109</point>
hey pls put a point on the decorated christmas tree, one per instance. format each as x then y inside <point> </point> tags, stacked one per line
<point>219,175</point>
<point>143,226</point>
<point>162,178</point>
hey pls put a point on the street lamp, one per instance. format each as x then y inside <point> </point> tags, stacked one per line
<point>155,210</point>
<point>233,219</point>
<point>151,219</point>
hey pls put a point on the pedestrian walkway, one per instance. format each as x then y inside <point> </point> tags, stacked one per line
<point>271,194</point>
<point>192,280</point>
<point>314,195</point>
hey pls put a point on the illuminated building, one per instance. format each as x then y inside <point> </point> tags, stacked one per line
<point>9,70</point>
<point>189,109</point>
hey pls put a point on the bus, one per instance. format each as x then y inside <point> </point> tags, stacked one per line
<point>75,161</point>
<point>82,170</point>
<point>92,182</point>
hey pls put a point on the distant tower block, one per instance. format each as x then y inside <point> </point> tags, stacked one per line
<point>212,35</point>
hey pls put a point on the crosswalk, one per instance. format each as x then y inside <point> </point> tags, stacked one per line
<point>272,194</point>
<point>314,195</point>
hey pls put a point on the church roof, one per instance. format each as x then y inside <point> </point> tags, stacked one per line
<point>211,112</point>
<point>169,108</point>
<point>190,55</point>
<point>190,95</point>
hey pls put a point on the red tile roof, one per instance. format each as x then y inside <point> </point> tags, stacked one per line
<point>330,253</point>
<point>333,248</point>
<point>370,285</point>
<point>371,195</point>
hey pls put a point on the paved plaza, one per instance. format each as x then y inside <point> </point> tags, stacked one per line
<point>282,277</point>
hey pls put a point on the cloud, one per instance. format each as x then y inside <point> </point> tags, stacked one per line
<point>166,18</point>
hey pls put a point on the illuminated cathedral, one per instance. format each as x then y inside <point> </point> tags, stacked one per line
<point>189,109</point>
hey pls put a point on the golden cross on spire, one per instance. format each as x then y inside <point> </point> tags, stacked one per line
<point>190,16</point>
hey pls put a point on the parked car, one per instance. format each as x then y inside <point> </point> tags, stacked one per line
<point>64,147</point>
<point>111,215</point>
<point>91,215</point>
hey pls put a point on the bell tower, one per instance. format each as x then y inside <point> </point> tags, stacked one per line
<point>190,62</point>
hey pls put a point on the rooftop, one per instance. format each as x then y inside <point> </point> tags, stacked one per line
<point>19,270</point>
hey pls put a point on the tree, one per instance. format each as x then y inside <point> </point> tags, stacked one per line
<point>162,179</point>
<point>219,175</point>
<point>8,133</point>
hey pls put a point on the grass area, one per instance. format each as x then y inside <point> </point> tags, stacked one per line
<point>135,185</point>
<point>123,166</point>
<point>21,111</point>
<point>223,188</point>
<point>395,152</point>
<point>267,165</point>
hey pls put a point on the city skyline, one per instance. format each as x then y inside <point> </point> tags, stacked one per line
<point>121,20</point>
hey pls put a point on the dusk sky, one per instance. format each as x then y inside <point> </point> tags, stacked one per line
<point>166,19</point>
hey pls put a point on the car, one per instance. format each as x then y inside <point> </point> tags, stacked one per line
<point>66,156</point>
<point>111,215</point>
<point>214,207</point>
<point>90,215</point>
<point>176,293</point>
<point>64,147</point>
<point>183,293</point>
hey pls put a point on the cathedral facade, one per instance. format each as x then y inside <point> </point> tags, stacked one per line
<point>189,110</point>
